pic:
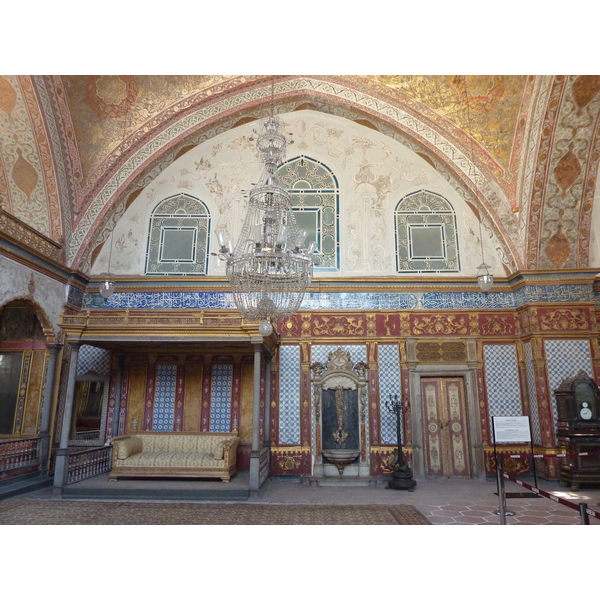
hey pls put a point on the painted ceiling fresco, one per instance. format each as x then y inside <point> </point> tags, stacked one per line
<point>525,148</point>
<point>102,106</point>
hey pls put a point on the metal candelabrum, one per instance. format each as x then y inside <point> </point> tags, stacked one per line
<point>401,471</point>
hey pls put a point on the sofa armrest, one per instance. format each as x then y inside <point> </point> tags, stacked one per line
<point>126,446</point>
<point>230,451</point>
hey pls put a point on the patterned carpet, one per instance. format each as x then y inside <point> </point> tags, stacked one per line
<point>55,512</point>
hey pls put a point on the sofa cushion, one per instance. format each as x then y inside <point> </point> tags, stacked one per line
<point>218,452</point>
<point>128,447</point>
<point>172,459</point>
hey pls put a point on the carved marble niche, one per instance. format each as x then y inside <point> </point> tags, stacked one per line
<point>340,414</point>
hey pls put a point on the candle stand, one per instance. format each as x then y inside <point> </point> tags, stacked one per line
<point>401,472</point>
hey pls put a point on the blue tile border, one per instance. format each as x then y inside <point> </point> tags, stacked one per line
<point>358,300</point>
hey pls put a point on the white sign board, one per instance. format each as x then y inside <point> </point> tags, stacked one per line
<point>511,429</point>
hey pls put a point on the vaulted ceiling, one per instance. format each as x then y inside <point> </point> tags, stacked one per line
<point>76,150</point>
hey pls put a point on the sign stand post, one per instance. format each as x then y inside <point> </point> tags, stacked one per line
<point>499,466</point>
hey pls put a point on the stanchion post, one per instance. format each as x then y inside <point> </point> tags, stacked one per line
<point>532,455</point>
<point>585,518</point>
<point>501,496</point>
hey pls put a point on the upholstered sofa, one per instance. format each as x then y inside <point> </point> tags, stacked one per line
<point>175,454</point>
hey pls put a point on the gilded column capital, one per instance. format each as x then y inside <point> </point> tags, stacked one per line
<point>54,348</point>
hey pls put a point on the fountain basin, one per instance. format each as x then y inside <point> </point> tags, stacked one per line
<point>341,457</point>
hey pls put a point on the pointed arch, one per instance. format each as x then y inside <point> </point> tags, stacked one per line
<point>146,153</point>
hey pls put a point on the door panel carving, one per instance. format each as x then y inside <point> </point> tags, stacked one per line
<point>445,427</point>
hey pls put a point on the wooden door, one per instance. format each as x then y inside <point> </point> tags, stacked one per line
<point>445,427</point>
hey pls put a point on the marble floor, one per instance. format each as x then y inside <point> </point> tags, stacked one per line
<point>450,501</point>
<point>441,501</point>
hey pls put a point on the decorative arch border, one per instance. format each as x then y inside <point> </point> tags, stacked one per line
<point>40,313</point>
<point>146,152</point>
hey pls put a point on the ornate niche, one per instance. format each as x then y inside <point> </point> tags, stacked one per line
<point>340,414</point>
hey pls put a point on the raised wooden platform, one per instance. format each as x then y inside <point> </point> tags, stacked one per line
<point>100,488</point>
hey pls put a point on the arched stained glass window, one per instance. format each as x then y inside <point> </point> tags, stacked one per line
<point>426,234</point>
<point>315,198</point>
<point>178,238</point>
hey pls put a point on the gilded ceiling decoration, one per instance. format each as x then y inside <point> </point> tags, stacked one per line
<point>565,176</point>
<point>185,124</point>
<point>486,105</point>
<point>528,146</point>
<point>105,107</point>
<point>28,183</point>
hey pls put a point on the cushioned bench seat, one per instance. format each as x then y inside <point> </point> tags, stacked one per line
<point>175,454</point>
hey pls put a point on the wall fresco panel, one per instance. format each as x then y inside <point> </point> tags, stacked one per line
<point>136,394</point>
<point>34,393</point>
<point>247,399</point>
<point>192,397</point>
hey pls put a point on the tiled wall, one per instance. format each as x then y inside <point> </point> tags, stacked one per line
<point>164,398</point>
<point>502,380</point>
<point>356,300</point>
<point>92,359</point>
<point>565,358</point>
<point>389,383</point>
<point>289,395</point>
<point>220,399</point>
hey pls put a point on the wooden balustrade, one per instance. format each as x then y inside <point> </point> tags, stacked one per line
<point>84,464</point>
<point>83,436</point>
<point>15,454</point>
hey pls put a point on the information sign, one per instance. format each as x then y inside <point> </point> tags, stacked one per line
<point>510,430</point>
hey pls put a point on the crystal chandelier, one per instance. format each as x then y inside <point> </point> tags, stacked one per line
<point>270,267</point>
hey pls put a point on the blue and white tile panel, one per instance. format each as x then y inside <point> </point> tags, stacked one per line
<point>533,403</point>
<point>358,300</point>
<point>164,398</point>
<point>220,398</point>
<point>502,380</point>
<point>289,395</point>
<point>389,383</point>
<point>93,360</point>
<point>565,358</point>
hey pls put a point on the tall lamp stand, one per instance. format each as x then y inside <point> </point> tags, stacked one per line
<point>401,471</point>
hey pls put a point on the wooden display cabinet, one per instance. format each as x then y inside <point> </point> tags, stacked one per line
<point>578,432</point>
